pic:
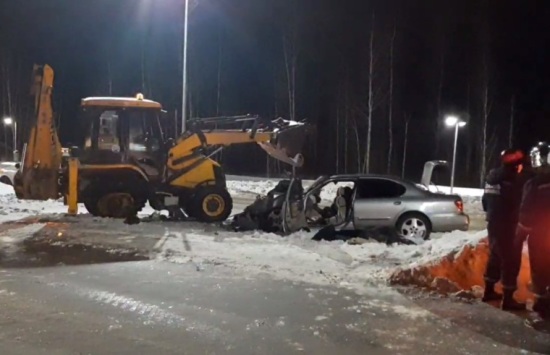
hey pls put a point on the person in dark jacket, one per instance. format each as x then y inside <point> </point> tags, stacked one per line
<point>501,201</point>
<point>534,223</point>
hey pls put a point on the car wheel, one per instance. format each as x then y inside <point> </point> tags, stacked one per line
<point>414,226</point>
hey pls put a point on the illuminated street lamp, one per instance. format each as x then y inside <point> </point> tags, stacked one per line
<point>8,121</point>
<point>454,121</point>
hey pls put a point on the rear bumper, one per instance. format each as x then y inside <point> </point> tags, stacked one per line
<point>450,222</point>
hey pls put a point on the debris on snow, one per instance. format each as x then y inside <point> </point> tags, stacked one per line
<point>465,295</point>
<point>444,286</point>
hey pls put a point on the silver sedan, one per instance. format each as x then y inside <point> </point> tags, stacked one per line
<point>384,201</point>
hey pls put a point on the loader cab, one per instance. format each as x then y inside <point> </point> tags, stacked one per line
<point>123,131</point>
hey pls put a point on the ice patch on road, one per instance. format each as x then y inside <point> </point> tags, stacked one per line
<point>152,314</point>
<point>11,239</point>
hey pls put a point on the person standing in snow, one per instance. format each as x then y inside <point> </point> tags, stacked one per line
<point>534,222</point>
<point>501,201</point>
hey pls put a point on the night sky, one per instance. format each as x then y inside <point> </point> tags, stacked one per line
<point>136,46</point>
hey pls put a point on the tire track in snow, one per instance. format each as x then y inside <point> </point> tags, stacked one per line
<point>149,313</point>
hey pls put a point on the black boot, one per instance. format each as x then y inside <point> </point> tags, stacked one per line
<point>510,304</point>
<point>542,307</point>
<point>490,294</point>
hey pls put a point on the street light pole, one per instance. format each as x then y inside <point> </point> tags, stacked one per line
<point>454,158</point>
<point>184,79</point>
<point>8,121</point>
<point>455,122</point>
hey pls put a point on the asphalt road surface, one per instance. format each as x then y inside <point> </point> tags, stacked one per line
<point>152,307</point>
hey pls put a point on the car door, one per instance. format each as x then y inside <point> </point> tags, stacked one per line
<point>377,202</point>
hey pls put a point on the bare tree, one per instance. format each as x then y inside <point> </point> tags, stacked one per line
<point>291,61</point>
<point>358,142</point>
<point>390,109</point>
<point>338,111</point>
<point>441,82</point>
<point>109,79</point>
<point>492,145</point>
<point>220,62</point>
<point>405,143</point>
<point>143,85</point>
<point>370,107</point>
<point>486,111</point>
<point>511,128</point>
<point>469,133</point>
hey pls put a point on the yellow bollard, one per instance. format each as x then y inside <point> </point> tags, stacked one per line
<point>72,195</point>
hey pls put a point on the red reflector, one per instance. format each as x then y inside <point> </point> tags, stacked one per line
<point>459,205</point>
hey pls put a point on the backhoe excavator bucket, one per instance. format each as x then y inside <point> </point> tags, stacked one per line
<point>288,145</point>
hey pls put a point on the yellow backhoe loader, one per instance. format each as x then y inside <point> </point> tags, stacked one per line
<point>125,160</point>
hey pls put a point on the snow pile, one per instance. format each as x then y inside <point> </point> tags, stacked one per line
<point>462,191</point>
<point>460,269</point>
<point>298,258</point>
<point>13,209</point>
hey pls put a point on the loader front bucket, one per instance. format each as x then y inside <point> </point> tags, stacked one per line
<point>289,143</point>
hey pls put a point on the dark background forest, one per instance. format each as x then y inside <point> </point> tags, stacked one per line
<point>377,78</point>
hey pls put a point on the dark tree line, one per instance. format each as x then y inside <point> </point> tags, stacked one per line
<point>376,78</point>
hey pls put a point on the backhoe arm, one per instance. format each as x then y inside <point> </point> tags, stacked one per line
<point>188,147</point>
<point>37,178</point>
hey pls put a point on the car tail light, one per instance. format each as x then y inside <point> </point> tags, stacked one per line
<point>459,205</point>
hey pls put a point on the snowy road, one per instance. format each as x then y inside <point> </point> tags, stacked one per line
<point>210,291</point>
<point>154,307</point>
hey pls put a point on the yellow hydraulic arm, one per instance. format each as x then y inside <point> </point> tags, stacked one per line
<point>39,172</point>
<point>186,146</point>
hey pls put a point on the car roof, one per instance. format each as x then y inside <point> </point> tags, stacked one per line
<point>411,186</point>
<point>370,176</point>
<point>364,176</point>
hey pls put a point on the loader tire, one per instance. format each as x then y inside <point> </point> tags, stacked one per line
<point>97,206</point>
<point>212,204</point>
<point>91,207</point>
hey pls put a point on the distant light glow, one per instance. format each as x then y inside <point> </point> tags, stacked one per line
<point>451,121</point>
<point>8,121</point>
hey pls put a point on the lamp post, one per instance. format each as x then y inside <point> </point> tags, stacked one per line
<point>453,121</point>
<point>8,121</point>
<point>184,69</point>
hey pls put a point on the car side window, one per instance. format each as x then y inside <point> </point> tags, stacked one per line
<point>379,188</point>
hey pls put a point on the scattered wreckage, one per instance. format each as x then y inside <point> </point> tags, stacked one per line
<point>379,207</point>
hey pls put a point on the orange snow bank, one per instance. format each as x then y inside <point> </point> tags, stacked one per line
<point>461,269</point>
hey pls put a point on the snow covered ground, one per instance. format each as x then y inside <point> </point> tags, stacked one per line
<point>299,258</point>
<point>295,257</point>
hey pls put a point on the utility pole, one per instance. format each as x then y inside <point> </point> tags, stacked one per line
<point>184,79</point>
